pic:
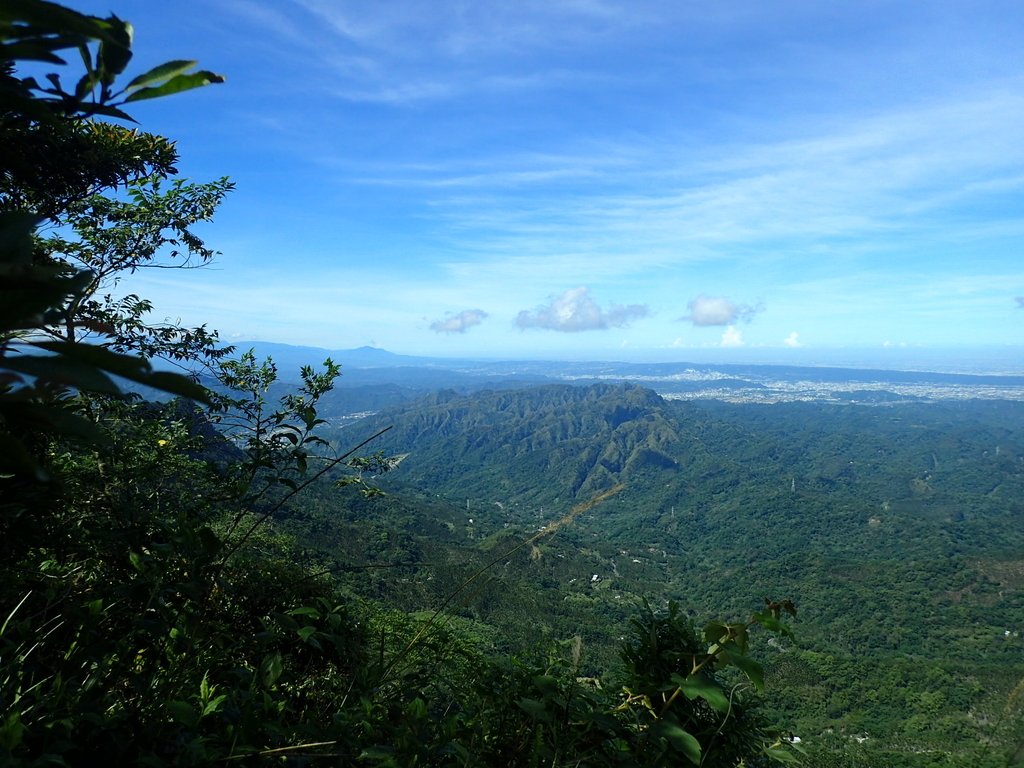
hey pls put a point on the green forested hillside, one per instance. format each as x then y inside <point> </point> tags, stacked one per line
<point>897,529</point>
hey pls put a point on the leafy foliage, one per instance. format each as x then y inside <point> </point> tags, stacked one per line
<point>58,159</point>
<point>153,615</point>
<point>896,527</point>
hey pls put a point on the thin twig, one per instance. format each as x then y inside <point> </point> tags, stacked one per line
<point>547,531</point>
<point>266,515</point>
<point>368,567</point>
<point>279,750</point>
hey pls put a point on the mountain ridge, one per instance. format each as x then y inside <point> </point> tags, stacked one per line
<point>375,365</point>
<point>603,432</point>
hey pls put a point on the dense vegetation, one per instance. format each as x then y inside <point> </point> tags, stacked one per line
<point>218,577</point>
<point>154,612</point>
<point>896,528</point>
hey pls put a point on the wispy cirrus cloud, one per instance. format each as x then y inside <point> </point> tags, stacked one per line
<point>880,177</point>
<point>411,52</point>
<point>457,30</point>
<point>575,310</point>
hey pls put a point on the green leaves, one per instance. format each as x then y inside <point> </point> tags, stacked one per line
<point>749,667</point>
<point>30,19</point>
<point>674,689</point>
<point>31,383</point>
<point>115,52</point>
<point>772,624</point>
<point>715,632</point>
<point>719,634</point>
<point>41,293</point>
<point>271,668</point>
<point>11,730</point>
<point>189,715</point>
<point>680,740</point>
<point>535,709</point>
<point>184,713</point>
<point>729,642</point>
<point>176,84</point>
<point>88,367</point>
<point>699,687</point>
<point>31,294</point>
<point>32,30</point>
<point>63,371</point>
<point>161,73</point>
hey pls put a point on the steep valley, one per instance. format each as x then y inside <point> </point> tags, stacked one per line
<point>897,529</point>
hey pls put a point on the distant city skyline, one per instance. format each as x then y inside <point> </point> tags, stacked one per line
<point>785,182</point>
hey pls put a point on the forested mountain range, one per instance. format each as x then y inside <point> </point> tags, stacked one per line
<point>897,529</point>
<point>374,378</point>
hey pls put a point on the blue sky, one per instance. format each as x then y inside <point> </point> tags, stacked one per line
<point>588,179</point>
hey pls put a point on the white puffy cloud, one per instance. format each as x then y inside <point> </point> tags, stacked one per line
<point>718,310</point>
<point>793,340</point>
<point>459,323</point>
<point>575,311</point>
<point>731,337</point>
